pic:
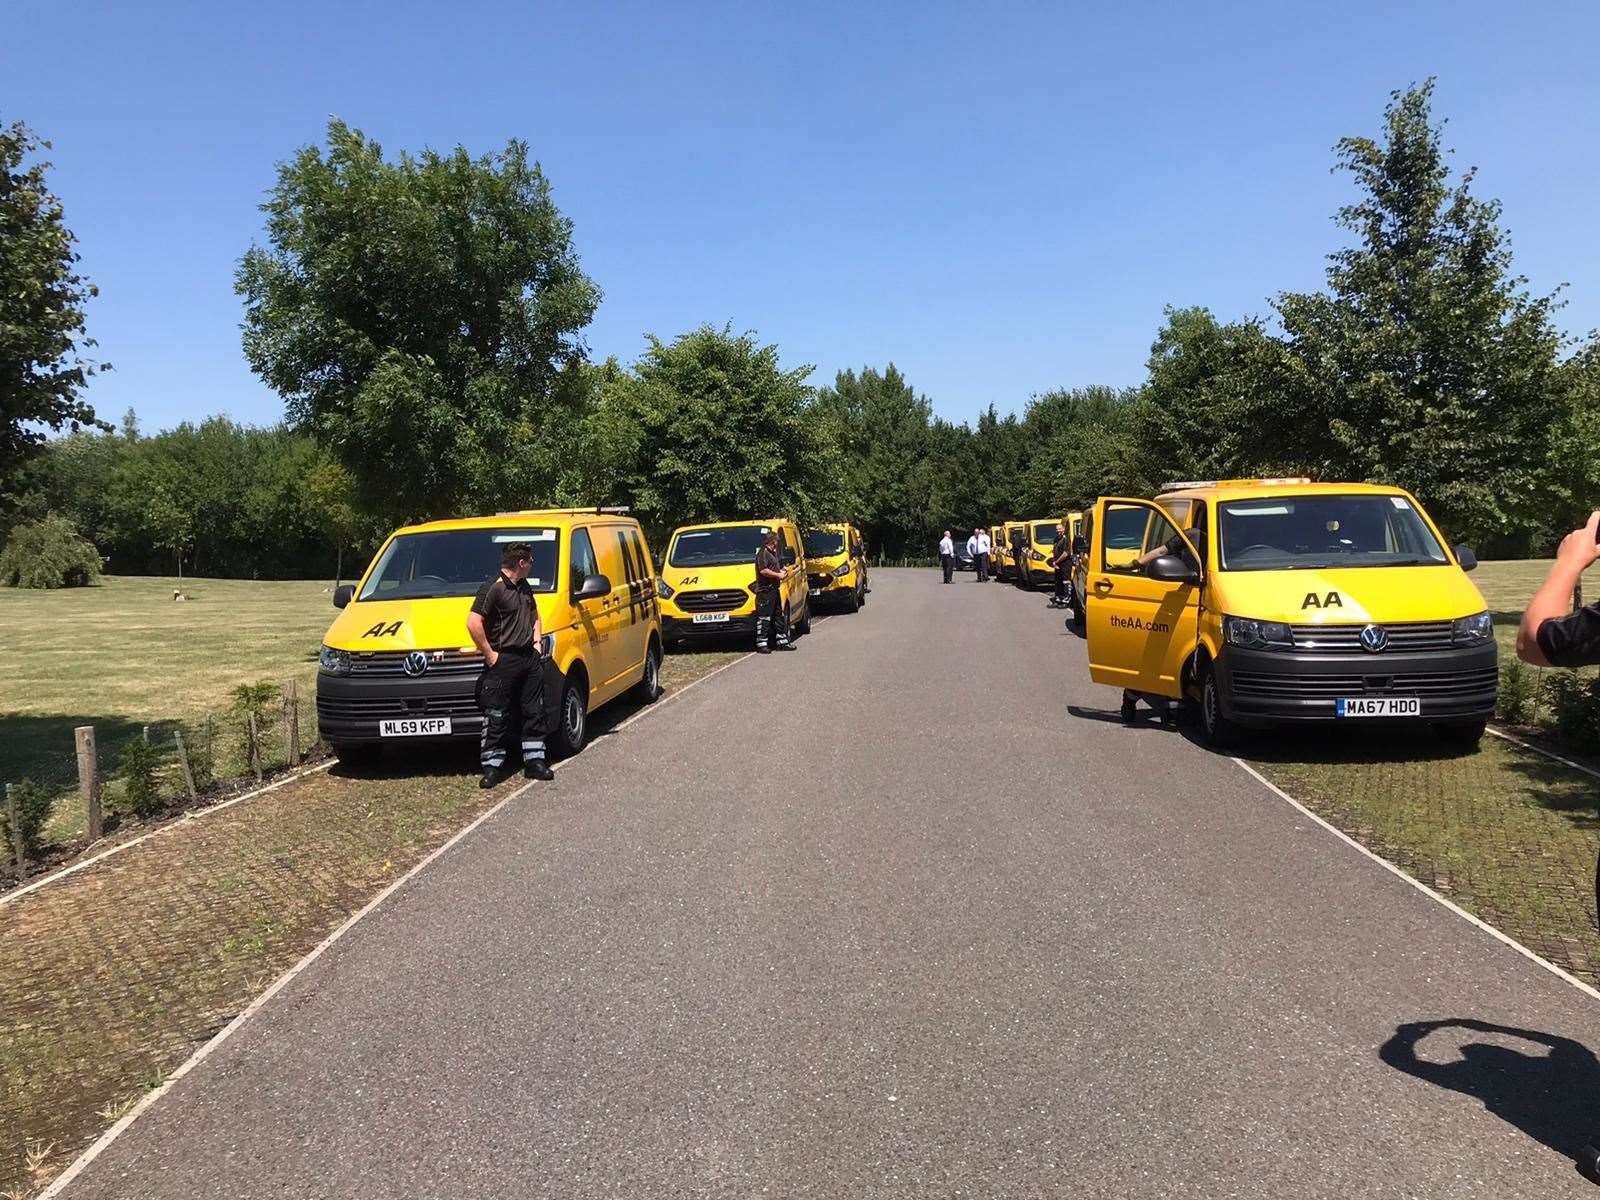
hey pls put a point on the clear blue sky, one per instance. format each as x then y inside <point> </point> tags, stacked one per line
<point>999,198</point>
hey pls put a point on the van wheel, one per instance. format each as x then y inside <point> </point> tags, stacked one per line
<point>803,625</point>
<point>574,730</point>
<point>1219,732</point>
<point>648,689</point>
<point>852,602</point>
<point>1465,734</point>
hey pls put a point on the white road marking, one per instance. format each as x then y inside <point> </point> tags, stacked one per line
<point>199,1056</point>
<point>1420,886</point>
<point>1566,762</point>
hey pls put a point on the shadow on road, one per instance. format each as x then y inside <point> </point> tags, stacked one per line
<point>1548,1096</point>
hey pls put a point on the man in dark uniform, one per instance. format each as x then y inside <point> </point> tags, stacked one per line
<point>504,626</point>
<point>772,620</point>
<point>1061,563</point>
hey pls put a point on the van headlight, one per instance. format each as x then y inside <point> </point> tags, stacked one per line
<point>1473,630</point>
<point>841,570</point>
<point>1257,635</point>
<point>1035,555</point>
<point>664,589</point>
<point>333,662</point>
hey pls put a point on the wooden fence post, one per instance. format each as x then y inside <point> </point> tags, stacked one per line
<point>291,723</point>
<point>89,781</point>
<point>183,761</point>
<point>254,748</point>
<point>16,831</point>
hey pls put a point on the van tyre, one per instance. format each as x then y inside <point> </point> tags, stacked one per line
<point>1464,734</point>
<point>852,602</point>
<point>573,732</point>
<point>648,689</point>
<point>1217,730</point>
<point>803,625</point>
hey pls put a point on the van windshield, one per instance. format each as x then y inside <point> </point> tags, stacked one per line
<point>1299,533</point>
<point>1044,533</point>
<point>456,562</point>
<point>823,543</point>
<point>717,547</point>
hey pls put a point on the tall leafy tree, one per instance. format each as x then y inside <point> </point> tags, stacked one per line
<point>42,299</point>
<point>417,315</point>
<point>710,426</point>
<point>1426,362</point>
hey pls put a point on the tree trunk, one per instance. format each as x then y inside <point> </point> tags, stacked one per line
<point>180,566</point>
<point>338,565</point>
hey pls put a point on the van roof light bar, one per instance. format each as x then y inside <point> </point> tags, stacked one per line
<point>610,510</point>
<point>1177,485</point>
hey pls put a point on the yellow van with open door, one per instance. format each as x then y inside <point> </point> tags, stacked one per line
<point>1014,536</point>
<point>836,566</point>
<point>1036,570</point>
<point>1291,601</point>
<point>997,552</point>
<point>397,663</point>
<point>707,580</point>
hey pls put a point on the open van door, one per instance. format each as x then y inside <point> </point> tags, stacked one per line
<point>1142,622</point>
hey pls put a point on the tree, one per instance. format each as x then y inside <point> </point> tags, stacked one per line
<point>1214,401</point>
<point>1426,363</point>
<point>710,427</point>
<point>331,493</point>
<point>42,298</point>
<point>417,316</point>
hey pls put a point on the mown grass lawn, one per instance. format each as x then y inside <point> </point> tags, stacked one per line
<point>124,655</point>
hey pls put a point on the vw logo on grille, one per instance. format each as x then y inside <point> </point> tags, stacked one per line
<point>1374,638</point>
<point>417,662</point>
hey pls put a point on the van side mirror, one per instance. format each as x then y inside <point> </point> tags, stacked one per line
<point>593,587</point>
<point>1465,556</point>
<point>343,594</point>
<point>1169,568</point>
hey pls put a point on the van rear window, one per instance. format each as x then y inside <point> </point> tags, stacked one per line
<point>455,562</point>
<point>1290,533</point>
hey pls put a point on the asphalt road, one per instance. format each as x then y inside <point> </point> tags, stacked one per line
<point>882,917</point>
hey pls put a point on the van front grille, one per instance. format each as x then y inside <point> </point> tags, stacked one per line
<point>392,662</point>
<point>1346,639</point>
<point>1429,685</point>
<point>723,600</point>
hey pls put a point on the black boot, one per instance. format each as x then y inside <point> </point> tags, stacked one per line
<point>1130,709</point>
<point>493,777</point>
<point>537,768</point>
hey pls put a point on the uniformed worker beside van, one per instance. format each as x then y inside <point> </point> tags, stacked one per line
<point>772,619</point>
<point>1175,546</point>
<point>504,626</point>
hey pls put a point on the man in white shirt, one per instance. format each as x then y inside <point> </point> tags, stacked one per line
<point>981,553</point>
<point>947,555</point>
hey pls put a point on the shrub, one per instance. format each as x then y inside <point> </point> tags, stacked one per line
<point>1518,689</point>
<point>33,810</point>
<point>138,766</point>
<point>1575,703</point>
<point>49,554</point>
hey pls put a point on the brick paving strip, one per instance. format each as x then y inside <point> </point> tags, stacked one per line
<point>112,977</point>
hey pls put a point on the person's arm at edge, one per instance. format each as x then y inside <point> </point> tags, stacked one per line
<point>1554,597</point>
<point>481,640</point>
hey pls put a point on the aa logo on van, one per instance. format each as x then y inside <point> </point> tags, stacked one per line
<point>1331,600</point>
<point>382,630</point>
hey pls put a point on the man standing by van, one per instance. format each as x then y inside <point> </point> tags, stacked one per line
<point>504,626</point>
<point>947,555</point>
<point>982,555</point>
<point>772,621</point>
<point>1061,563</point>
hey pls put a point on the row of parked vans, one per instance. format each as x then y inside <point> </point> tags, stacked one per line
<point>397,664</point>
<point>1277,601</point>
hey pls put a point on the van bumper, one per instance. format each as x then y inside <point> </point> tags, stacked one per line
<point>680,629</point>
<point>1267,686</point>
<point>349,707</point>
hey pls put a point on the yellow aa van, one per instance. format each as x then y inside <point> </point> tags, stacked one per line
<point>1078,586</point>
<point>997,552</point>
<point>1286,600</point>
<point>1014,536</point>
<point>707,580</point>
<point>397,663</point>
<point>836,565</point>
<point>1039,550</point>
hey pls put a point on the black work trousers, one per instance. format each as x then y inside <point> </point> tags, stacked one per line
<point>1061,584</point>
<point>512,696</point>
<point>983,566</point>
<point>772,618</point>
<point>948,561</point>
